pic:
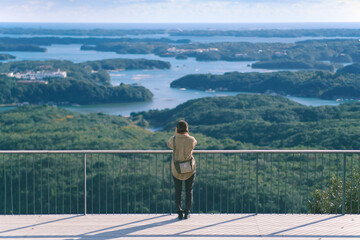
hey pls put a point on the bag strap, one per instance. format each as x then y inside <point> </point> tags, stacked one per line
<point>176,164</point>
<point>174,145</point>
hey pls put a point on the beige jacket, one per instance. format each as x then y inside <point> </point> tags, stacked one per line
<point>184,146</point>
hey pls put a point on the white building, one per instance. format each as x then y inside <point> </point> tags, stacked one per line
<point>39,75</point>
<point>198,50</point>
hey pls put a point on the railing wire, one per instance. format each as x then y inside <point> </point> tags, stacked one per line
<point>233,181</point>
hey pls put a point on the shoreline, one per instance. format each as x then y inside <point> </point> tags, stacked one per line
<point>8,105</point>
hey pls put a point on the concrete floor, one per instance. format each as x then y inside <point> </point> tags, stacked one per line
<point>164,227</point>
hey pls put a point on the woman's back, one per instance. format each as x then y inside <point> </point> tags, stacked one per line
<point>184,145</point>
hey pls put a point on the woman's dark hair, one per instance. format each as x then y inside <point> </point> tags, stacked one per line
<point>182,127</point>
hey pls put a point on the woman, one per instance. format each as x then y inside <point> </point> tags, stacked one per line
<point>184,146</point>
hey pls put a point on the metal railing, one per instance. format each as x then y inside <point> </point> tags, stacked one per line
<point>140,181</point>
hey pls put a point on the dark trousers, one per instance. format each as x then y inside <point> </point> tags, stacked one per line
<point>189,184</point>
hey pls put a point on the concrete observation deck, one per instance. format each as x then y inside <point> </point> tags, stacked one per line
<point>164,226</point>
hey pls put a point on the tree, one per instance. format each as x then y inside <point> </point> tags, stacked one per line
<point>329,200</point>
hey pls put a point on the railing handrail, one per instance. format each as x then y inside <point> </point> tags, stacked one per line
<point>170,151</point>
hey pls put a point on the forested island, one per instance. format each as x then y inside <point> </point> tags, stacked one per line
<point>319,54</point>
<point>86,83</point>
<point>80,32</point>
<point>319,84</point>
<point>269,33</point>
<point>321,50</point>
<point>6,56</point>
<point>21,47</point>
<point>266,33</point>
<point>295,64</point>
<point>84,67</point>
<point>130,45</point>
<point>327,54</point>
<point>124,64</point>
<point>47,41</point>
<point>69,91</point>
<point>334,51</point>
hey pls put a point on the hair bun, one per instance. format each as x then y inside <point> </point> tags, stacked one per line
<point>182,126</point>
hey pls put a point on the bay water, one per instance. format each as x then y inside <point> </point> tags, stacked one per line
<point>157,81</point>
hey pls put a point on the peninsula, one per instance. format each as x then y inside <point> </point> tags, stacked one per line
<point>319,84</point>
<point>64,82</point>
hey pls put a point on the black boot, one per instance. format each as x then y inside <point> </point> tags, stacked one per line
<point>187,215</point>
<point>180,215</point>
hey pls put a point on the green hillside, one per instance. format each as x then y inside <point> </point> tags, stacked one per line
<point>267,121</point>
<point>240,122</point>
<point>45,128</point>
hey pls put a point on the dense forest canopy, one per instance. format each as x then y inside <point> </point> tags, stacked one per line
<point>46,127</point>
<point>266,121</point>
<point>242,122</point>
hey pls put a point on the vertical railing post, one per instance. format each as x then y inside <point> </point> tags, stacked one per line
<point>85,195</point>
<point>257,183</point>
<point>343,185</point>
<point>170,181</point>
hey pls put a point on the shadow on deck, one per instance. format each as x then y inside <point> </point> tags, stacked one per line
<point>164,226</point>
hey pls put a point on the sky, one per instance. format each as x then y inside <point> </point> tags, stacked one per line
<point>179,11</point>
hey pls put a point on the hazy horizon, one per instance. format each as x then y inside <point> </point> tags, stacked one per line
<point>184,26</point>
<point>179,11</point>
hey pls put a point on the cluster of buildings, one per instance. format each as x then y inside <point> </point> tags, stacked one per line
<point>38,76</point>
<point>197,50</point>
